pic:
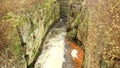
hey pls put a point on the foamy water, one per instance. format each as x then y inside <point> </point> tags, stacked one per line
<point>52,55</point>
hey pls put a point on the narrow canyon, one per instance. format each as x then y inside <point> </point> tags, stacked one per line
<point>59,33</point>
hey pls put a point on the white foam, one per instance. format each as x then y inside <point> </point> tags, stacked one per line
<point>53,56</point>
<point>74,53</point>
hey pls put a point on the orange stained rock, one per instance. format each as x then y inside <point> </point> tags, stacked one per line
<point>77,61</point>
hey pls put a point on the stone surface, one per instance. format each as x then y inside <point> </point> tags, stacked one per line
<point>97,25</point>
<point>23,27</point>
<point>73,60</point>
<point>63,7</point>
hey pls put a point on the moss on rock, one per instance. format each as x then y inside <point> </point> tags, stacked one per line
<point>24,29</point>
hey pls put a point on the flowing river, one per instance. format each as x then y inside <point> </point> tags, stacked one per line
<point>52,55</point>
<point>55,52</point>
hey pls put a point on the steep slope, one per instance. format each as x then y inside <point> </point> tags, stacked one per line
<point>23,27</point>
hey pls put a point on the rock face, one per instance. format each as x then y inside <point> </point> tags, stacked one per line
<point>63,7</point>
<point>23,27</point>
<point>96,23</point>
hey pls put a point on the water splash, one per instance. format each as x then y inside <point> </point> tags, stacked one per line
<point>52,55</point>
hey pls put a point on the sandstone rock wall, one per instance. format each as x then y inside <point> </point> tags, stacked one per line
<point>96,23</point>
<point>23,26</point>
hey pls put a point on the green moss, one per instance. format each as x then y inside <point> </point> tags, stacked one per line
<point>16,47</point>
<point>72,35</point>
<point>16,19</point>
<point>76,21</point>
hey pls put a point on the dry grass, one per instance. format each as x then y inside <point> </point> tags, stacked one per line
<point>9,42</point>
<point>4,33</point>
<point>14,6</point>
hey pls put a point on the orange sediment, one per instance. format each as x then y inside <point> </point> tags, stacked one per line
<point>77,61</point>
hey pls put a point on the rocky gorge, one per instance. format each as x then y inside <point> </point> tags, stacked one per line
<point>60,34</point>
